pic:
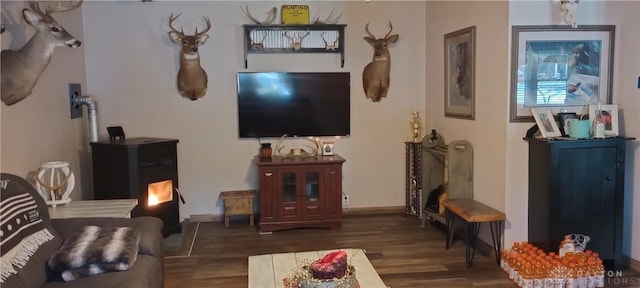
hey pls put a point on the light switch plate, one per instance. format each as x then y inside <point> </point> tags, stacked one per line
<point>74,91</point>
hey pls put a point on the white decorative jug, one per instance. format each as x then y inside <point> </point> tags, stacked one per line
<point>54,182</point>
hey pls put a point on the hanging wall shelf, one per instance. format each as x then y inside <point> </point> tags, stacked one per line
<point>318,38</point>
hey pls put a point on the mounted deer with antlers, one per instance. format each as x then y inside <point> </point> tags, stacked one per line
<point>192,79</point>
<point>22,68</point>
<point>375,77</point>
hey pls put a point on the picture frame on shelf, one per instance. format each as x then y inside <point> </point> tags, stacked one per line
<point>563,121</point>
<point>560,67</point>
<point>610,115</point>
<point>546,123</point>
<point>459,71</point>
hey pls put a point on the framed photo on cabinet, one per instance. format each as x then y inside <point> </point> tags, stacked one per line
<point>459,73</point>
<point>546,123</point>
<point>563,121</point>
<point>609,114</point>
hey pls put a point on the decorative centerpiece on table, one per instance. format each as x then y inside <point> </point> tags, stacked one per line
<point>330,271</point>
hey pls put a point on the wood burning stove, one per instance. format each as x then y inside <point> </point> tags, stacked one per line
<point>142,168</point>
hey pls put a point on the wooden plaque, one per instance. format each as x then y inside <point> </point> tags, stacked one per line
<point>295,14</point>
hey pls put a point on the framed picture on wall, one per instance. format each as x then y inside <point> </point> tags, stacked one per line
<point>560,68</point>
<point>546,123</point>
<point>459,73</point>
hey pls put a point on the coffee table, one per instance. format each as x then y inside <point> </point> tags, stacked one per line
<point>268,271</point>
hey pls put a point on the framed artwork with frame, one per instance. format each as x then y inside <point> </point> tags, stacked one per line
<point>459,73</point>
<point>610,117</point>
<point>560,68</point>
<point>546,123</point>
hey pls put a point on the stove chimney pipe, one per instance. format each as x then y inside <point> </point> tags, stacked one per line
<point>92,108</point>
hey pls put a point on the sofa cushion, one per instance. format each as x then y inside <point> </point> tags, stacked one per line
<point>145,272</point>
<point>27,236</point>
<point>94,250</point>
<point>150,229</point>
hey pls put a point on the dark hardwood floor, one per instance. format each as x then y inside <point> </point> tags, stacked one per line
<point>402,252</point>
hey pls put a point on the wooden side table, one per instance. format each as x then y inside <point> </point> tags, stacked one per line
<point>238,202</point>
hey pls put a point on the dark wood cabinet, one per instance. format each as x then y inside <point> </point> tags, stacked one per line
<point>300,192</point>
<point>577,186</point>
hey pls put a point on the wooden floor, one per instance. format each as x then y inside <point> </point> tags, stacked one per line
<point>402,252</point>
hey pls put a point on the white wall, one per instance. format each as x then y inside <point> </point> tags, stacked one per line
<point>487,132</point>
<point>623,14</point>
<point>131,67</point>
<point>39,128</point>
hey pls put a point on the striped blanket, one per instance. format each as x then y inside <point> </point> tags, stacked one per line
<point>94,250</point>
<point>22,228</point>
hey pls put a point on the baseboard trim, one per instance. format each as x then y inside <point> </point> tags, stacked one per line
<point>206,218</point>
<point>633,263</point>
<point>373,210</point>
<point>347,212</point>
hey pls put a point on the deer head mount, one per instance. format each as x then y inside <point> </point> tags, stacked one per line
<point>332,46</point>
<point>569,11</point>
<point>272,14</point>
<point>375,77</point>
<point>296,39</point>
<point>192,79</point>
<point>22,68</point>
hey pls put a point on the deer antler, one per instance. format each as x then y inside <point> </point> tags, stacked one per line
<point>366,28</point>
<point>35,6</point>
<point>171,19</point>
<point>328,20</point>
<point>208,21</point>
<point>60,8</point>
<point>271,16</point>
<point>390,29</point>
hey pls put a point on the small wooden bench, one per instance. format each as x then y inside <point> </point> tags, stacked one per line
<point>474,213</point>
<point>238,203</point>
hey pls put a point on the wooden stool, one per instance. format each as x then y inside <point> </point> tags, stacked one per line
<point>238,203</point>
<point>474,213</point>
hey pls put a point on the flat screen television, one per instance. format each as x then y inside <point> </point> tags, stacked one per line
<point>271,104</point>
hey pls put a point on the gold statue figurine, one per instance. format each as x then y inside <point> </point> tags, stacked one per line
<point>416,127</point>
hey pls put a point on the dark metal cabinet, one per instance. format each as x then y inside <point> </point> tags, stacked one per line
<point>300,192</point>
<point>577,186</point>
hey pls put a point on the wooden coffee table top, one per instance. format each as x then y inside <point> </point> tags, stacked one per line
<point>268,271</point>
<point>473,211</point>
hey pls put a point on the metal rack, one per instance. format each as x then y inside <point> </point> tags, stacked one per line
<point>450,165</point>
<point>413,181</point>
<point>264,39</point>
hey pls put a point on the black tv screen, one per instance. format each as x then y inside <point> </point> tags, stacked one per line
<point>271,104</point>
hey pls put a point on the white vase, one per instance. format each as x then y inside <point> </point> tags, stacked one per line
<point>54,182</point>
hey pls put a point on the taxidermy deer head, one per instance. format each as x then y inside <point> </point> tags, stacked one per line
<point>22,68</point>
<point>192,79</point>
<point>375,77</point>
<point>569,11</point>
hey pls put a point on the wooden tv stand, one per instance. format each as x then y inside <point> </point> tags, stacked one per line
<point>300,192</point>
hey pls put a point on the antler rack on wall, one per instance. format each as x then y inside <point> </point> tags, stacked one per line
<point>264,39</point>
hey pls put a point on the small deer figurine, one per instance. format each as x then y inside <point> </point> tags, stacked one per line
<point>192,79</point>
<point>375,77</point>
<point>22,68</point>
